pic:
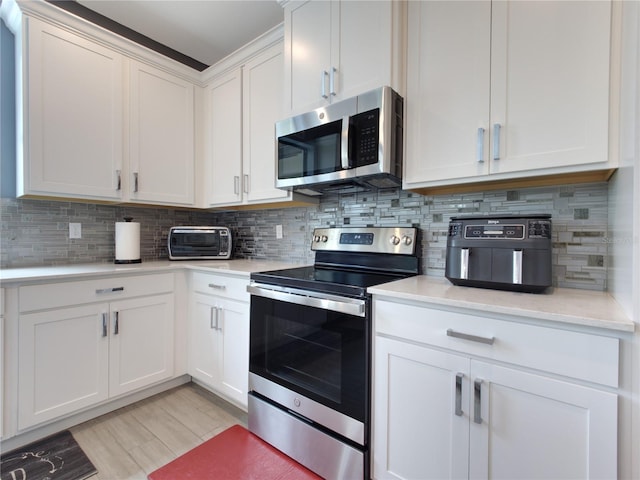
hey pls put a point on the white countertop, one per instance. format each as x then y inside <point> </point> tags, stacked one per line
<point>573,306</point>
<point>38,274</point>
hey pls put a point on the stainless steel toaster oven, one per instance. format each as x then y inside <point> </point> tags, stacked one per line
<point>205,243</point>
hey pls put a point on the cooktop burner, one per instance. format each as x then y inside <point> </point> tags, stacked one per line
<point>351,259</point>
<point>327,280</point>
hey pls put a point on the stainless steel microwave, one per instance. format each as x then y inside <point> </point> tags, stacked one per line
<point>205,243</point>
<point>351,145</point>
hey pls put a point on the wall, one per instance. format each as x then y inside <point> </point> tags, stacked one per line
<point>7,113</point>
<point>35,232</point>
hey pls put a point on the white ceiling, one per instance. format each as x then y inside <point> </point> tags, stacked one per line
<point>206,30</point>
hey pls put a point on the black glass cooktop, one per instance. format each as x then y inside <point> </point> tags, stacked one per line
<point>327,280</point>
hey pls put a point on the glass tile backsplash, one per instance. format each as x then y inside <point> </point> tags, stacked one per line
<point>36,232</point>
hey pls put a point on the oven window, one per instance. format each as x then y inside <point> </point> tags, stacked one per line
<point>320,354</point>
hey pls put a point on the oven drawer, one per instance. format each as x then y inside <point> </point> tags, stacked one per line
<point>227,286</point>
<point>552,350</point>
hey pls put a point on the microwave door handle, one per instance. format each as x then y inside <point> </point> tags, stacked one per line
<point>344,144</point>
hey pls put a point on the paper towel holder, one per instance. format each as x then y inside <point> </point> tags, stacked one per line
<point>127,240</point>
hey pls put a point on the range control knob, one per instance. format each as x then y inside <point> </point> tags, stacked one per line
<point>324,238</point>
<point>394,240</point>
<point>316,238</point>
<point>407,240</point>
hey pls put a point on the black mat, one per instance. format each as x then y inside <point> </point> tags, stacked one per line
<point>57,457</point>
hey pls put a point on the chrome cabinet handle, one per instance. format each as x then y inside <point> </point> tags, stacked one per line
<point>464,263</point>
<point>218,327</point>
<point>323,84</point>
<point>101,291</point>
<point>245,183</point>
<point>236,184</point>
<point>116,325</point>
<point>118,180</point>
<point>211,318</point>
<point>473,338</point>
<point>517,267</point>
<point>217,286</point>
<point>480,145</point>
<point>135,182</point>
<point>477,401</point>
<point>458,410</point>
<point>496,141</point>
<point>332,82</point>
<point>104,325</point>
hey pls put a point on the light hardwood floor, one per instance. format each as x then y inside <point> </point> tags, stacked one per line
<point>133,441</point>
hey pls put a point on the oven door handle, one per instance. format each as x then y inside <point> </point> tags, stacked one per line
<point>349,306</point>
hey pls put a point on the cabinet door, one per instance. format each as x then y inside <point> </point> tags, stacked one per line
<point>63,358</point>
<point>550,83</point>
<point>204,341</point>
<point>223,163</point>
<point>363,46</point>
<point>448,82</point>
<point>262,105</point>
<point>73,116</point>
<point>308,31</point>
<point>161,140</point>
<point>141,342</point>
<point>233,326</point>
<point>219,345</point>
<point>420,419</point>
<point>537,427</point>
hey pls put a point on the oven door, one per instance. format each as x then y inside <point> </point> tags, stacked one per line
<point>310,353</point>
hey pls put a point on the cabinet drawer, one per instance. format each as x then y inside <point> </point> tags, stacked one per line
<point>54,295</point>
<point>222,285</point>
<point>583,356</point>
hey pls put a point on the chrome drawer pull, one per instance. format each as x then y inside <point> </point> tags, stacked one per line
<point>473,338</point>
<point>100,291</point>
<point>217,287</point>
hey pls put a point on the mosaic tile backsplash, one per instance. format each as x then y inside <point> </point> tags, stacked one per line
<point>36,232</point>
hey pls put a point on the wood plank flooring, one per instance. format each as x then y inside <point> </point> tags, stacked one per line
<point>132,442</point>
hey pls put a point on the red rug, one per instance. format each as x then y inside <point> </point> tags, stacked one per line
<point>235,454</point>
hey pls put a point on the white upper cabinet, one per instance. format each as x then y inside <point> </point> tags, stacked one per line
<point>497,89</point>
<point>241,106</point>
<point>72,114</point>
<point>262,107</point>
<point>337,49</point>
<point>161,137</point>
<point>223,148</point>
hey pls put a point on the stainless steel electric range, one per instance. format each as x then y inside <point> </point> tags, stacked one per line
<point>310,351</point>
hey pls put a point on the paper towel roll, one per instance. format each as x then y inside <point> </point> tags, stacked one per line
<point>127,242</point>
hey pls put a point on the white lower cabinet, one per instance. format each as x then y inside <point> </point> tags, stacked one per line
<point>219,335</point>
<point>440,412</point>
<point>76,356</point>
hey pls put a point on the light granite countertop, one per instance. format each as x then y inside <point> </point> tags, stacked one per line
<point>567,305</point>
<point>243,267</point>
